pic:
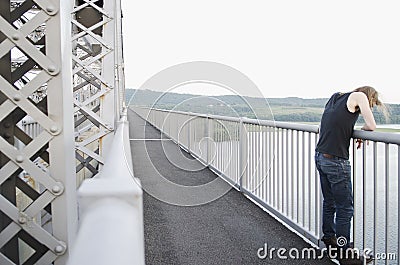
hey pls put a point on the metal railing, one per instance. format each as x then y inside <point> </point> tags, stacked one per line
<point>273,164</point>
<point>111,210</point>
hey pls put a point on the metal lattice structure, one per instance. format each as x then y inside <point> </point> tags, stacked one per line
<point>94,61</point>
<point>38,185</point>
<point>61,93</point>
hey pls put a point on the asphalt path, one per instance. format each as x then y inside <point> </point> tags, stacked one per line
<point>229,229</point>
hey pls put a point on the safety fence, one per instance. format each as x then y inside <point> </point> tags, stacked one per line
<point>273,164</point>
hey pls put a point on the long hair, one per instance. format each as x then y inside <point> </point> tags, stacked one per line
<point>373,99</point>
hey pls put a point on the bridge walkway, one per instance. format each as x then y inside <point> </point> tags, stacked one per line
<point>228,230</point>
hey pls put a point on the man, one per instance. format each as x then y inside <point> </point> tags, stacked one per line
<point>332,161</point>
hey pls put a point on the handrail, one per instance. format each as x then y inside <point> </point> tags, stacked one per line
<point>111,210</point>
<point>277,124</point>
<point>384,137</point>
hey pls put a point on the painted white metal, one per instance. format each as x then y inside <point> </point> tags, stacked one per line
<point>39,91</point>
<point>108,106</point>
<point>111,211</point>
<point>110,203</point>
<point>49,71</point>
<point>119,61</point>
<point>59,94</point>
<point>97,80</point>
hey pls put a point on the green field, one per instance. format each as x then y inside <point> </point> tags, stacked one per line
<point>391,130</point>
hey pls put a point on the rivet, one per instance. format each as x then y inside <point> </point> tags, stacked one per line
<point>54,128</point>
<point>19,159</point>
<point>22,220</point>
<point>50,9</point>
<point>7,135</point>
<point>56,189</point>
<point>7,125</point>
<point>51,68</point>
<point>59,249</point>
<point>15,36</point>
<point>17,97</point>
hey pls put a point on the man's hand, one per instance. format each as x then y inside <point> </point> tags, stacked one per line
<point>360,141</point>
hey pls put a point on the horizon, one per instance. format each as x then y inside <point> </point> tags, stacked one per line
<point>222,95</point>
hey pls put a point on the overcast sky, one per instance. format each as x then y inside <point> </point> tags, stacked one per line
<point>307,48</point>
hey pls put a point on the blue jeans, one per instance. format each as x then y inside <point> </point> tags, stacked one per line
<point>335,176</point>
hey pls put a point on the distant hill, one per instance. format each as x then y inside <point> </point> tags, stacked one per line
<point>280,109</point>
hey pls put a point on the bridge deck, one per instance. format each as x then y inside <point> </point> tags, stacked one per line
<point>228,230</point>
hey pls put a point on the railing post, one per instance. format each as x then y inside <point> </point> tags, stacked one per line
<point>398,200</point>
<point>208,132</point>
<point>189,135</point>
<point>242,154</point>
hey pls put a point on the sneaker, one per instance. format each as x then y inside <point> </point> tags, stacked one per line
<point>356,259</point>
<point>331,246</point>
<point>330,242</point>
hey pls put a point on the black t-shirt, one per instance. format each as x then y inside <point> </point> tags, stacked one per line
<point>337,126</point>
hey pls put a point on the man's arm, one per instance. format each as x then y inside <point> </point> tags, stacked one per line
<point>360,100</point>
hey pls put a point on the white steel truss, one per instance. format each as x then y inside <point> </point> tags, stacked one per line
<point>58,111</point>
<point>94,73</point>
<point>38,216</point>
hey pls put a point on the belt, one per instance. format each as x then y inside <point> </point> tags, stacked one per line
<point>328,156</point>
